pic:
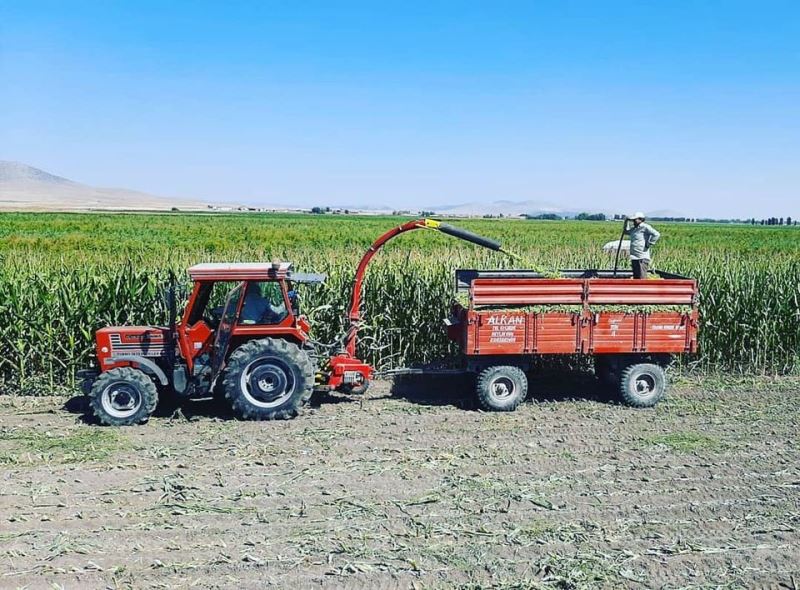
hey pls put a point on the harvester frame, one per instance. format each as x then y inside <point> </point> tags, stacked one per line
<point>257,352</point>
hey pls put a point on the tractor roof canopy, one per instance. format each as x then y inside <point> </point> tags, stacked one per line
<point>251,271</point>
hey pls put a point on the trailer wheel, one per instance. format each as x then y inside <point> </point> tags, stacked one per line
<point>642,385</point>
<point>268,379</point>
<point>123,396</point>
<point>501,388</point>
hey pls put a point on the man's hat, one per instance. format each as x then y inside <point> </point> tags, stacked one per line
<point>637,215</point>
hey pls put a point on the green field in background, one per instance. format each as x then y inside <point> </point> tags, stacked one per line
<point>64,275</point>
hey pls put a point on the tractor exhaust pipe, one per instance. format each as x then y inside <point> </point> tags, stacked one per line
<point>172,309</point>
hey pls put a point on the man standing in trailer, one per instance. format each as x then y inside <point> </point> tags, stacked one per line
<point>642,236</point>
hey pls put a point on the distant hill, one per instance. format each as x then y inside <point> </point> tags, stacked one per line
<point>504,207</point>
<point>25,188</point>
<point>532,208</point>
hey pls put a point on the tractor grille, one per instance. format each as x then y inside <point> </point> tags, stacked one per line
<point>156,349</point>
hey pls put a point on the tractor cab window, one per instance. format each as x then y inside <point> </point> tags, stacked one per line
<point>210,302</point>
<point>263,304</point>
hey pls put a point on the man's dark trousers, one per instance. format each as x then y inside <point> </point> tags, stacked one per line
<point>640,268</point>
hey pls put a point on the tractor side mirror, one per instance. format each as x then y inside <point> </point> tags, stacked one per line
<point>294,300</point>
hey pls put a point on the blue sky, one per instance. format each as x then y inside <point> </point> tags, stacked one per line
<point>688,106</point>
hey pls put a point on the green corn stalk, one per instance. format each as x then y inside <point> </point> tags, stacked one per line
<point>63,276</point>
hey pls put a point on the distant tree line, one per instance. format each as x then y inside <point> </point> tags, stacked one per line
<point>580,216</point>
<point>584,216</point>
<point>591,217</point>
<point>751,221</point>
<point>545,216</point>
<point>773,221</point>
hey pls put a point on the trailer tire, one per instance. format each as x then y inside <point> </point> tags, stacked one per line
<point>122,397</point>
<point>501,388</point>
<point>642,385</point>
<point>268,379</point>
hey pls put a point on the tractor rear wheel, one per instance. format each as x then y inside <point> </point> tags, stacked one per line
<point>501,388</point>
<point>123,396</point>
<point>268,379</point>
<point>642,385</point>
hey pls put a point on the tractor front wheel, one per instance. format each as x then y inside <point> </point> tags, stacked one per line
<point>123,396</point>
<point>501,388</point>
<point>268,379</point>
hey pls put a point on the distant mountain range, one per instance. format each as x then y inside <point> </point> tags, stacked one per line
<point>26,188</point>
<point>667,213</point>
<point>506,208</point>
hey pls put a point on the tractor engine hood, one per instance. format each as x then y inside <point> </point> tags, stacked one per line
<point>121,341</point>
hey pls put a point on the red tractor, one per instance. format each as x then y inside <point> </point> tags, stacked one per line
<point>241,335</point>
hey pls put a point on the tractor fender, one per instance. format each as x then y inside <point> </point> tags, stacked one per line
<point>140,360</point>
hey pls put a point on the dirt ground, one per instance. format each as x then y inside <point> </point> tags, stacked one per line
<point>410,488</point>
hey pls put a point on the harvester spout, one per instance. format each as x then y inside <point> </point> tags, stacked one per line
<point>468,236</point>
<point>355,302</point>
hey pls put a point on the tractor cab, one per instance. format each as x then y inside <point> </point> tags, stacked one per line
<point>232,303</point>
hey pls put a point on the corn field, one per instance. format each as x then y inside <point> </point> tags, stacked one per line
<point>62,276</point>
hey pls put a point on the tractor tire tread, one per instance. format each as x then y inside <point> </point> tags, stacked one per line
<point>249,351</point>
<point>146,387</point>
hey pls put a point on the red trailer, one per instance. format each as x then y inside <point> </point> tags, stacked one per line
<point>632,328</point>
